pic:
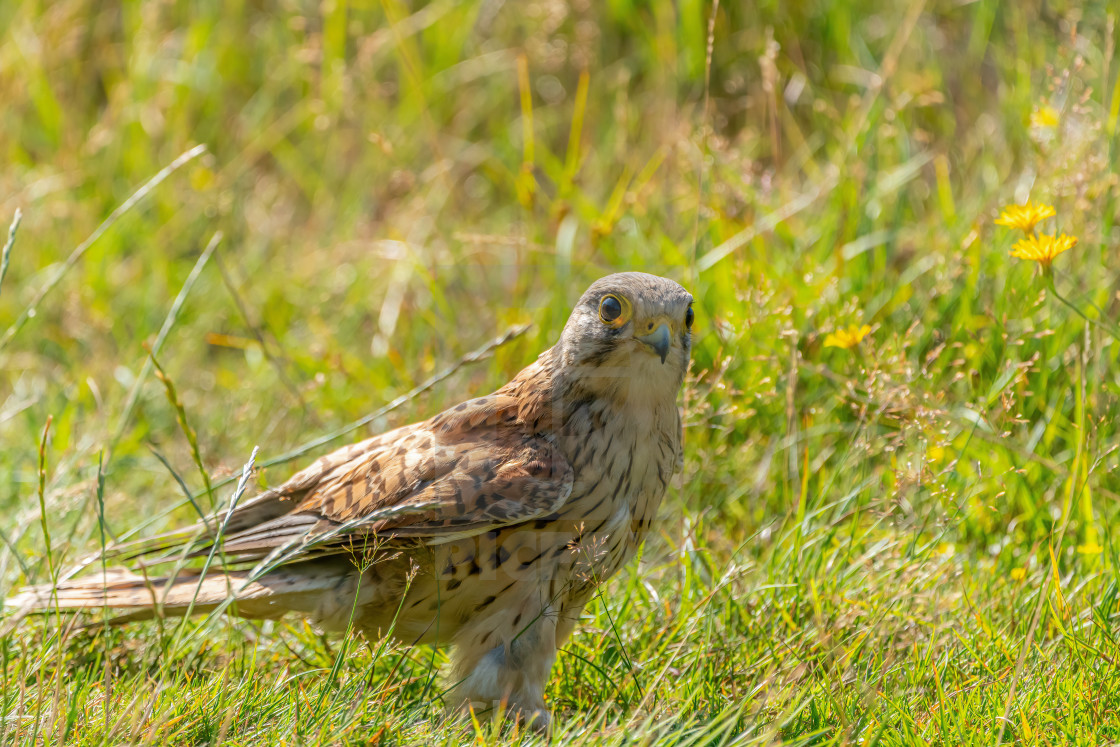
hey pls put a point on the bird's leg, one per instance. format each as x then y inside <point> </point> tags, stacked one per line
<point>512,675</point>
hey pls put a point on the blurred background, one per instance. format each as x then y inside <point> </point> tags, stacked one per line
<point>397,183</point>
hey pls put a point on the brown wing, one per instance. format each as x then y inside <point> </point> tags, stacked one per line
<point>466,471</point>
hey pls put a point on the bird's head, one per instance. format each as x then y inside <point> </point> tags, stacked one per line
<point>629,328</point>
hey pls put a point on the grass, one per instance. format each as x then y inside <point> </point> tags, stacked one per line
<point>904,542</point>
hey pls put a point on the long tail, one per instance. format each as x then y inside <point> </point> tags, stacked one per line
<point>297,588</point>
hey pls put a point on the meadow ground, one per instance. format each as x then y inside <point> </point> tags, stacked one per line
<point>901,540</point>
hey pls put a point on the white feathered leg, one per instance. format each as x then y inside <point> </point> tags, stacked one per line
<point>511,676</point>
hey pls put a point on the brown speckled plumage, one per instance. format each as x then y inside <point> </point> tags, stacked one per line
<point>488,526</point>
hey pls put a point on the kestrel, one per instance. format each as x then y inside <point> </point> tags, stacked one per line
<point>487,527</point>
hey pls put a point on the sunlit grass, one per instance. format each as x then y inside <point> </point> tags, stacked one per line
<point>905,542</point>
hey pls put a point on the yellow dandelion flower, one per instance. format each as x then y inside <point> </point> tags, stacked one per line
<point>1018,574</point>
<point>1043,248</point>
<point>1090,548</point>
<point>846,338</point>
<point>1045,117</point>
<point>1024,217</point>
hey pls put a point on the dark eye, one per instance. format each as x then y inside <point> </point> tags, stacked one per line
<point>688,318</point>
<point>610,309</point>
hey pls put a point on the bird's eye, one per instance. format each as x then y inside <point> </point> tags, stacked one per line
<point>688,318</point>
<point>610,311</point>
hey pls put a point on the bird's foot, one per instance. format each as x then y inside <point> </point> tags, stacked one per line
<point>495,688</point>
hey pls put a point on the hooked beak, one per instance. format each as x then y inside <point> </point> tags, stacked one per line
<point>659,340</point>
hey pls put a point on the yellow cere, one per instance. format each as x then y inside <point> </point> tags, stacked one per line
<point>1024,217</point>
<point>846,338</point>
<point>1043,248</point>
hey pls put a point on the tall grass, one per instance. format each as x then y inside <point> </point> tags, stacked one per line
<point>908,541</point>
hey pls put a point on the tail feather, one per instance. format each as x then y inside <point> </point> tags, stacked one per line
<point>302,588</point>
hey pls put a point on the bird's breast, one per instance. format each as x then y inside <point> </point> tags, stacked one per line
<point>621,465</point>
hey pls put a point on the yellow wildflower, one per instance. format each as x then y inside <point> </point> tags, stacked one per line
<point>1044,117</point>
<point>1024,217</point>
<point>846,338</point>
<point>1090,548</point>
<point>1018,574</point>
<point>1043,248</point>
